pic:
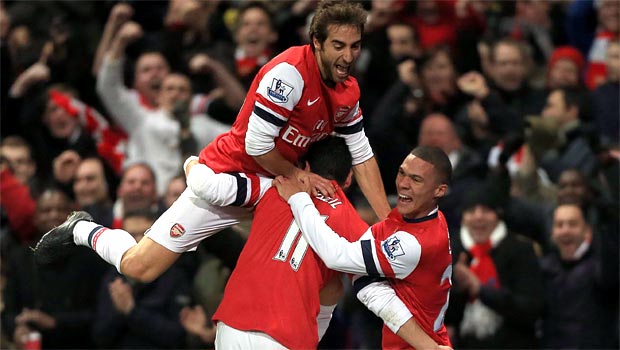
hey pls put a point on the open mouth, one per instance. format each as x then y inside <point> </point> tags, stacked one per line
<point>343,71</point>
<point>404,199</point>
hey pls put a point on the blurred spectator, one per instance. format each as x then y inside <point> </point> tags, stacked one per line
<point>16,196</point>
<point>606,100</point>
<point>18,154</point>
<point>255,34</point>
<point>560,140</point>
<point>438,76</point>
<point>137,190</point>
<point>56,300</point>
<point>499,107</point>
<point>158,137</point>
<point>608,29</point>
<point>581,284</point>
<point>498,288</point>
<point>539,24</point>
<point>92,191</point>
<point>176,186</point>
<point>134,315</point>
<point>565,68</point>
<point>438,22</point>
<point>378,40</point>
<point>468,169</point>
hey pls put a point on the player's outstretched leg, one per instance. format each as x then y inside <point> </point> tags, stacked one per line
<point>57,242</point>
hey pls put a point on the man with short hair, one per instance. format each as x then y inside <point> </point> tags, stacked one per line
<point>581,284</point>
<point>410,248</point>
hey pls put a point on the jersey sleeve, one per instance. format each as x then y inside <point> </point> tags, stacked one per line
<point>351,128</point>
<point>277,94</point>
<point>380,298</point>
<point>395,257</point>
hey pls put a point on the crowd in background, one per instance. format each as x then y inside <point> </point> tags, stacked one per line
<point>102,101</point>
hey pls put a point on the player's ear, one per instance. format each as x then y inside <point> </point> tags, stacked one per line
<point>307,167</point>
<point>441,191</point>
<point>348,181</point>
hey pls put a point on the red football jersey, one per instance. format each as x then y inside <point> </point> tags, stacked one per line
<point>291,100</point>
<point>426,289</point>
<point>275,286</point>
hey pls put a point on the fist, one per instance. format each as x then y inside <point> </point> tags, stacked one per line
<point>120,13</point>
<point>65,165</point>
<point>473,83</point>
<point>200,63</point>
<point>130,32</point>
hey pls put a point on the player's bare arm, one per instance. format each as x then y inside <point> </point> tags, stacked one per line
<point>369,179</point>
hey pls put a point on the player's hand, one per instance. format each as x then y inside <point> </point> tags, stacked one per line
<point>443,347</point>
<point>287,187</point>
<point>316,183</point>
<point>189,163</point>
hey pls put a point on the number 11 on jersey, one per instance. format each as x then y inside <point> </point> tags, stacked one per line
<point>287,243</point>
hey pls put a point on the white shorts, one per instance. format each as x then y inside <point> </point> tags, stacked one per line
<point>228,338</point>
<point>191,219</point>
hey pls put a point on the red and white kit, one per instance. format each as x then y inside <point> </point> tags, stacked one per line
<point>275,286</point>
<point>414,255</point>
<point>288,107</point>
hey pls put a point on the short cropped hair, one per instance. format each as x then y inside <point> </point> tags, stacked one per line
<point>438,158</point>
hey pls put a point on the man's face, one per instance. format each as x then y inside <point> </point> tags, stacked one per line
<point>569,230</point>
<point>151,68</point>
<point>137,189</point>
<point>438,74</point>
<point>556,107</point>
<point>572,188</point>
<point>52,210</point>
<point>60,124</point>
<point>338,54</point>
<point>417,187</point>
<point>254,34</point>
<point>608,16</point>
<point>174,88</point>
<point>437,130</point>
<point>90,185</point>
<point>20,162</point>
<point>564,73</point>
<point>613,62</point>
<point>480,220</point>
<point>402,41</point>
<point>508,67</point>
<point>174,190</point>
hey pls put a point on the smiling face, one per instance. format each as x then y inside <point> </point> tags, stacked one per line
<point>480,220</point>
<point>90,185</point>
<point>254,32</point>
<point>151,68</point>
<point>569,230</point>
<point>417,187</point>
<point>337,55</point>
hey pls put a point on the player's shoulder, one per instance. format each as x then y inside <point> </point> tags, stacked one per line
<point>294,56</point>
